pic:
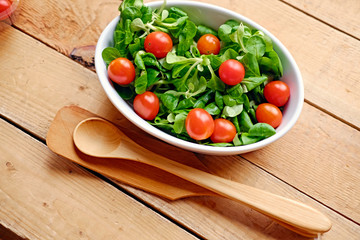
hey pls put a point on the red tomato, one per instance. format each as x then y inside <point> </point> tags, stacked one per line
<point>269,113</point>
<point>121,71</point>
<point>208,44</point>
<point>199,124</point>
<point>277,93</point>
<point>5,9</point>
<point>146,105</point>
<point>224,131</point>
<point>231,72</point>
<point>158,43</point>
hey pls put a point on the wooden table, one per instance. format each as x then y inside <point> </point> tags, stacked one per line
<point>45,196</point>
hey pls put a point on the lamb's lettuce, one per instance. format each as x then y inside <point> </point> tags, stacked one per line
<point>185,79</point>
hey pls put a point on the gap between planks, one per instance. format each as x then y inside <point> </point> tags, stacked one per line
<point>320,20</point>
<point>143,202</point>
<point>297,189</point>
<point>51,47</point>
<point>23,129</point>
<point>332,115</point>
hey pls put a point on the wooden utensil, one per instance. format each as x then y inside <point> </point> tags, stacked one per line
<point>99,138</point>
<point>142,176</point>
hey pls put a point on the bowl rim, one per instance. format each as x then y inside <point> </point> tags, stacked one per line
<point>129,113</point>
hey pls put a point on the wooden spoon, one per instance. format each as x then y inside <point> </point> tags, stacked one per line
<point>100,138</point>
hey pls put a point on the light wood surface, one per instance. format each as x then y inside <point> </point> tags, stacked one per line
<point>343,15</point>
<point>51,198</point>
<point>317,162</point>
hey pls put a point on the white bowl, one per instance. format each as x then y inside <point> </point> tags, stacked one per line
<point>212,16</point>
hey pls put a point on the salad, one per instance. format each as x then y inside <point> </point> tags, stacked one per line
<point>217,87</point>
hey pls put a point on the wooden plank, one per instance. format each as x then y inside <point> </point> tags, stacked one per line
<point>39,188</point>
<point>321,52</point>
<point>344,15</point>
<point>25,102</point>
<point>53,80</point>
<point>324,155</point>
<point>66,25</point>
<point>230,220</point>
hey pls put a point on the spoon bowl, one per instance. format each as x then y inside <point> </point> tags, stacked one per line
<point>100,138</point>
<point>107,137</point>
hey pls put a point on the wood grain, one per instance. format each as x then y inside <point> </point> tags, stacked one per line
<point>66,25</point>
<point>343,15</point>
<point>325,56</point>
<point>235,221</point>
<point>330,149</point>
<point>45,81</point>
<point>72,203</point>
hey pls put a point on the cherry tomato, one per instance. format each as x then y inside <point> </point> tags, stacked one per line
<point>208,44</point>
<point>199,124</point>
<point>5,9</point>
<point>224,131</point>
<point>121,71</point>
<point>231,72</point>
<point>269,113</point>
<point>158,43</point>
<point>146,105</point>
<point>277,93</point>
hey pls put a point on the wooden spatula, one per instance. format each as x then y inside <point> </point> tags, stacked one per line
<point>142,176</point>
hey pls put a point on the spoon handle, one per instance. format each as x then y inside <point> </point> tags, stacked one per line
<point>100,138</point>
<point>290,213</point>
